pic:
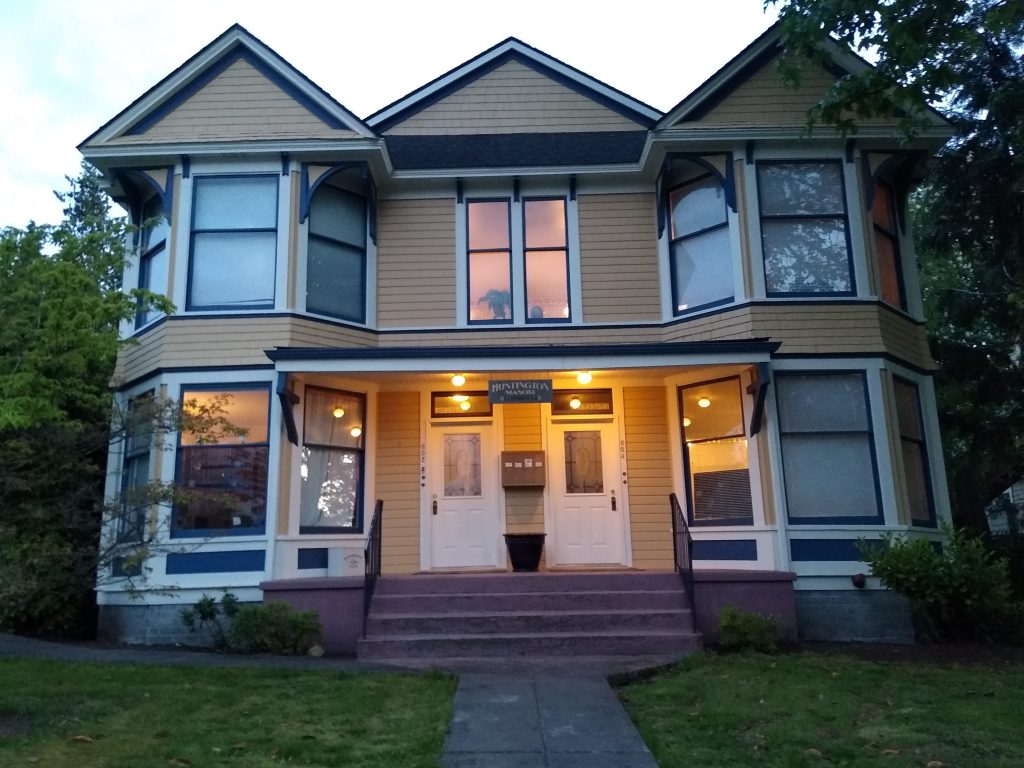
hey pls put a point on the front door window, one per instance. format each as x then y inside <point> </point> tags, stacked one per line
<point>583,468</point>
<point>462,465</point>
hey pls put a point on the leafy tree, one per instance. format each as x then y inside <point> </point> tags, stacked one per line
<point>965,57</point>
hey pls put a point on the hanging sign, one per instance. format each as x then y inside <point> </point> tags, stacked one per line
<point>519,391</point>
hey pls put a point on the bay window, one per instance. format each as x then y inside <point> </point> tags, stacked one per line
<point>828,452</point>
<point>331,472</point>
<point>153,261</point>
<point>233,255</point>
<point>804,229</point>
<point>914,452</point>
<point>223,450</point>
<point>701,255</point>
<point>135,471</point>
<point>887,250</point>
<point>715,455</point>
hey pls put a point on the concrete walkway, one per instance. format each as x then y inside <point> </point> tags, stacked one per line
<point>538,720</point>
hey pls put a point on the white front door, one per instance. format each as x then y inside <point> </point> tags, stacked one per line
<point>462,499</point>
<point>586,494</point>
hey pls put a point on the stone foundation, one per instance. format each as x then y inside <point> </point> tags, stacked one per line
<point>145,625</point>
<point>860,616</point>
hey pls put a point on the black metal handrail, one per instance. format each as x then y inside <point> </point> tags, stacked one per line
<point>682,546</point>
<point>371,559</point>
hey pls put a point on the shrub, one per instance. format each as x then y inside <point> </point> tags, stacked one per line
<point>210,620</point>
<point>740,630</point>
<point>274,628</point>
<point>959,592</point>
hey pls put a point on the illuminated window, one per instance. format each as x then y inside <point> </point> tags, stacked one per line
<point>331,473</point>
<point>701,254</point>
<point>717,466</point>
<point>887,250</point>
<point>222,461</point>
<point>542,258</point>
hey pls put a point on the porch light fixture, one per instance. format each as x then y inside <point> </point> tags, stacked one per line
<point>584,377</point>
<point>686,421</point>
<point>704,402</point>
<point>575,403</point>
<point>356,431</point>
<point>460,399</point>
<point>458,380</point>
<point>338,412</point>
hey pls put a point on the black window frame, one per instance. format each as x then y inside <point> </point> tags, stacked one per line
<point>674,240</point>
<point>690,513</point>
<point>175,530</point>
<point>762,217</point>
<point>197,180</point>
<point>357,527</point>
<point>363,248</point>
<point>876,519</point>
<point>568,271</point>
<point>932,521</point>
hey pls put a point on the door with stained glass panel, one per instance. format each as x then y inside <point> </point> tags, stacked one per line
<point>462,513</point>
<point>586,495</point>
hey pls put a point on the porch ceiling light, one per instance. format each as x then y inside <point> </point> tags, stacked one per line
<point>686,421</point>
<point>338,412</point>
<point>575,403</point>
<point>458,380</point>
<point>460,399</point>
<point>356,431</point>
<point>464,405</point>
<point>584,377</point>
<point>704,402</point>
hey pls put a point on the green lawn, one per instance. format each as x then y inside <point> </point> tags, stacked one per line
<point>83,715</point>
<point>822,710</point>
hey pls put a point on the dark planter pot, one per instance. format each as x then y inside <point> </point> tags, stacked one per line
<point>524,550</point>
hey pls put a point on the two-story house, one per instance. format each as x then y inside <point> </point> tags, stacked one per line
<point>520,300</point>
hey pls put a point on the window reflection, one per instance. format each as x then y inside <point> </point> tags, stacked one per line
<point>547,260</point>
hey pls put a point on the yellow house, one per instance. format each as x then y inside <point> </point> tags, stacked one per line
<point>520,301</point>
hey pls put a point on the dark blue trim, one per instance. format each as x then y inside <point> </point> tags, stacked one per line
<point>238,53</point>
<point>748,151</point>
<point>726,180</point>
<point>460,192</point>
<point>484,69</point>
<point>132,178</point>
<point>288,400</point>
<point>760,393</point>
<point>725,549</point>
<point>233,561</point>
<point>307,190</point>
<point>284,163</point>
<point>810,550</point>
<point>515,190</point>
<point>186,166</point>
<point>312,557</point>
<point>572,188</point>
<point>848,149</point>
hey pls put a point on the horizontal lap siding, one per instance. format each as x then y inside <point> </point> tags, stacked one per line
<point>619,258</point>
<point>240,103</point>
<point>524,507</point>
<point>416,263</point>
<point>513,99</point>
<point>650,475</point>
<point>397,467</point>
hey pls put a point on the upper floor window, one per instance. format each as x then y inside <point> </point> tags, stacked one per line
<point>542,254</point>
<point>804,229</point>
<point>234,242</point>
<point>336,255</point>
<point>223,452</point>
<point>701,256</point>
<point>887,249</point>
<point>153,261</point>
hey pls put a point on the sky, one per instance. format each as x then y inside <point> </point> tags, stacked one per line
<point>68,66</point>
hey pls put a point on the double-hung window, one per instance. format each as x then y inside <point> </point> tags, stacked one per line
<point>540,255</point>
<point>804,229</point>
<point>336,260</point>
<point>334,423</point>
<point>234,242</point>
<point>828,452</point>
<point>223,452</point>
<point>915,454</point>
<point>887,249</point>
<point>701,255</point>
<point>138,440</point>
<point>153,262</point>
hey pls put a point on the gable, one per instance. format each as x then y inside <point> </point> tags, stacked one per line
<point>513,98</point>
<point>240,102</point>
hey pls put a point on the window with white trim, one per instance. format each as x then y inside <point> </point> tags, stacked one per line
<point>828,450</point>
<point>135,471</point>
<point>542,255</point>
<point>700,250</point>
<point>804,229</point>
<point>331,472</point>
<point>336,254</point>
<point>153,257</point>
<point>887,247</point>
<point>914,452</point>
<point>233,253</point>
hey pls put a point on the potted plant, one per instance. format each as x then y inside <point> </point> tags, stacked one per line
<point>524,550</point>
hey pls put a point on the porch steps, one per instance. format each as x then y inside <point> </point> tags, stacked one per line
<point>529,616</point>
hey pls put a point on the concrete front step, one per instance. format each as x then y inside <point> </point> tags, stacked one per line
<point>440,646</point>
<point>599,581</point>
<point>528,622</point>
<point>462,602</point>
